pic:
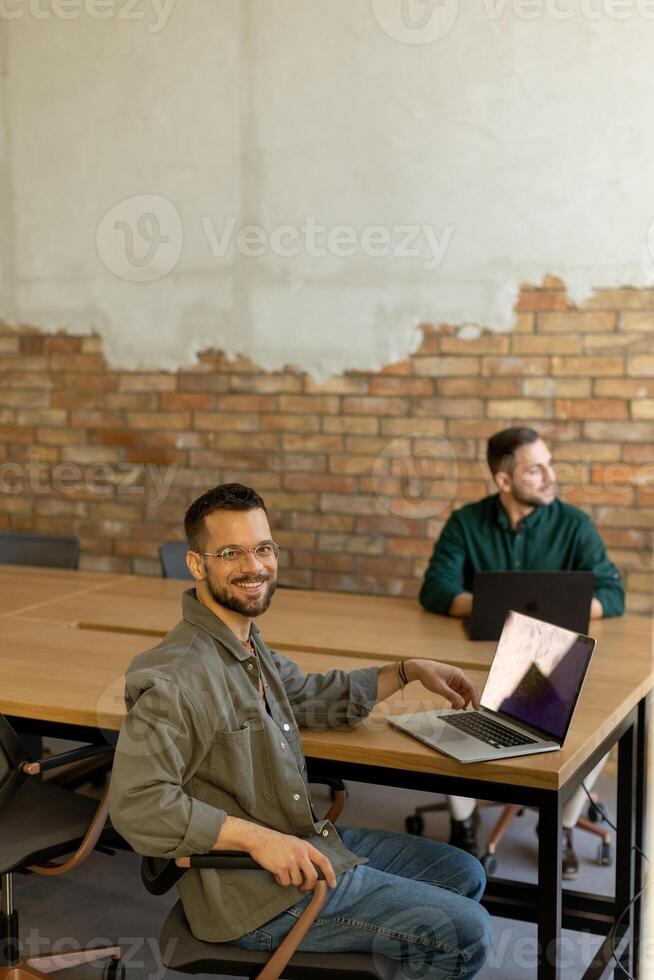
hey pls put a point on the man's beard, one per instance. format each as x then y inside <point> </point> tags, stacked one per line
<point>228,599</point>
<point>532,500</point>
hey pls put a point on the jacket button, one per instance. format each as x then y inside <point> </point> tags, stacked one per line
<point>296,796</point>
<point>287,728</point>
<point>283,744</point>
<point>325,833</point>
<point>250,666</point>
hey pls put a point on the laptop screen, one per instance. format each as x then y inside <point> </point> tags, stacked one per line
<point>537,674</point>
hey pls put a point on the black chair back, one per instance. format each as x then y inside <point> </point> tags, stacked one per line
<point>172,556</point>
<point>12,756</point>
<point>47,550</point>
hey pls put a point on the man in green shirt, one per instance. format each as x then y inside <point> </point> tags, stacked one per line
<point>523,527</point>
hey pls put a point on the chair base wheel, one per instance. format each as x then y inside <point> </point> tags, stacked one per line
<point>415,825</point>
<point>114,970</point>
<point>489,863</point>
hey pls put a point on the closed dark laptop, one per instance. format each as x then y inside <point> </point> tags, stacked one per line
<point>561,598</point>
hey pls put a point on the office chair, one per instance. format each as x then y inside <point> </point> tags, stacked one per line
<point>40,821</point>
<point>181,951</point>
<point>588,823</point>
<point>46,550</point>
<point>172,556</point>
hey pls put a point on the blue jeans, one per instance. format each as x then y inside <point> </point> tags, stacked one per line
<point>414,906</point>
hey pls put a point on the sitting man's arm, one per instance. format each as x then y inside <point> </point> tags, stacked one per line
<point>450,682</point>
<point>442,588</point>
<point>608,594</point>
<point>161,744</point>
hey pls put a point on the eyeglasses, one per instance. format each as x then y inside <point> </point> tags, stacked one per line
<point>265,552</point>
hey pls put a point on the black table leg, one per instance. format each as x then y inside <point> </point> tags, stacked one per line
<point>550,899</point>
<point>641,809</point>
<point>625,864</point>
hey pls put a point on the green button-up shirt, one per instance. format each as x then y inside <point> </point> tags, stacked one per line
<point>199,744</point>
<point>479,537</point>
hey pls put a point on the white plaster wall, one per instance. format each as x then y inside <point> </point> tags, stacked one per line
<point>522,138</point>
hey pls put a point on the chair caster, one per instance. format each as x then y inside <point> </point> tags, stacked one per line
<point>415,825</point>
<point>114,970</point>
<point>489,863</point>
<point>605,854</point>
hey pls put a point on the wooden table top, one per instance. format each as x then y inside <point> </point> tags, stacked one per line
<point>76,677</point>
<point>371,627</point>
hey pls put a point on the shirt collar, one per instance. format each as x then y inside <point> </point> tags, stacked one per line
<point>502,518</point>
<point>194,612</point>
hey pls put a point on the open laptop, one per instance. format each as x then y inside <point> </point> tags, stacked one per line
<point>528,701</point>
<point>562,598</point>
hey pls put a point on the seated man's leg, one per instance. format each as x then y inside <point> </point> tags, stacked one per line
<point>463,823</point>
<point>418,921</point>
<point>571,813</point>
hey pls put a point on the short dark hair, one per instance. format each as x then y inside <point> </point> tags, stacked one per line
<point>227,496</point>
<point>502,446</point>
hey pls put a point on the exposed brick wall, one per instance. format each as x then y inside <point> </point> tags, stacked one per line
<point>359,472</point>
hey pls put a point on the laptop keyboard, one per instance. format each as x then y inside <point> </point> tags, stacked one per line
<point>487,730</point>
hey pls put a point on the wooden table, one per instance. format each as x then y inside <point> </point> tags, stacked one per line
<point>68,681</point>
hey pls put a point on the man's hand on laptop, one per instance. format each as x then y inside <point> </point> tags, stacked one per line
<point>451,682</point>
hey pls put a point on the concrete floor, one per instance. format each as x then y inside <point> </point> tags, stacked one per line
<point>104,900</point>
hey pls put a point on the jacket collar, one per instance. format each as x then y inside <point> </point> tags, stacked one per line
<point>194,612</point>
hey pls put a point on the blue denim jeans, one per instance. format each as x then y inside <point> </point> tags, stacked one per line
<point>414,906</point>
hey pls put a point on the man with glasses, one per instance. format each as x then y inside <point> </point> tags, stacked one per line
<point>210,758</point>
<point>523,527</point>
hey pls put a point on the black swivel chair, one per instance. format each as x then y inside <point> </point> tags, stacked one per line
<point>40,821</point>
<point>181,951</point>
<point>46,550</point>
<point>172,556</point>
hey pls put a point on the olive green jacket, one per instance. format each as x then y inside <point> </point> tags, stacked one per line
<point>198,744</point>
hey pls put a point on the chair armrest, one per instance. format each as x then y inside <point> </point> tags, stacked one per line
<point>65,758</point>
<point>86,847</point>
<point>339,792</point>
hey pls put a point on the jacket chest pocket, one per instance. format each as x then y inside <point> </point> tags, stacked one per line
<point>240,764</point>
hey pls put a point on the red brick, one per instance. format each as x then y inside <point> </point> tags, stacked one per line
<point>537,344</point>
<point>95,419</point>
<point>352,544</point>
<point>195,381</point>
<point>148,382</point>
<point>624,388</point>
<point>591,408</point>
<point>593,366</point>
<point>312,444</point>
<point>621,299</point>
<point>448,407</point>
<point>413,427</point>
<point>478,387</point>
<point>440,367</point>
<point>158,457</point>
<point>217,422</point>
<point>248,403</point>
<point>159,420</point>
<point>328,562</point>
<point>62,344</point>
<point>415,547</point>
<point>517,408</point>
<point>355,424</point>
<point>179,401</point>
<point>638,321</point>
<point>376,406</point>
<point>57,437</point>
<point>339,523</point>
<point>576,322</point>
<point>401,386</point>
<point>543,299</point>
<point>489,343</point>
<point>347,385</point>
<point>518,367</point>
<point>322,481</point>
<point>265,384</point>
